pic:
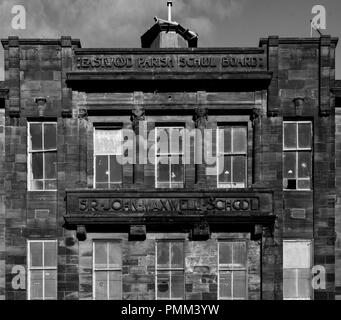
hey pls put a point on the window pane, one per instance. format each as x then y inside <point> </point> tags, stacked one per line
<point>290,135</point>
<point>36,136</point>
<point>163,285</point>
<point>225,285</point>
<point>225,139</point>
<point>289,284</point>
<point>50,184</point>
<point>102,169</point>
<point>225,170</point>
<point>163,170</point>
<point>50,165</point>
<point>36,254</point>
<point>50,136</point>
<point>304,164</point>
<point>37,165</point>
<point>51,284</point>
<point>176,140</point>
<point>239,140</point>
<point>239,284</point>
<point>115,170</point>
<point>115,285</point>
<point>239,168</point>
<point>225,253</point>
<point>50,254</point>
<point>100,254</point>
<point>115,257</point>
<point>36,285</point>
<point>163,254</point>
<point>101,285</point>
<point>289,165</point>
<point>304,135</point>
<point>177,255</point>
<point>304,184</point>
<point>304,283</point>
<point>297,254</point>
<point>239,254</point>
<point>177,169</point>
<point>177,285</point>
<point>162,138</point>
<point>108,141</point>
<point>37,184</point>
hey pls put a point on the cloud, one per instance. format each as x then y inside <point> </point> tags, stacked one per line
<point>113,23</point>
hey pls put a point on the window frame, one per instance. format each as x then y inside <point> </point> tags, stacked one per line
<point>181,155</point>
<point>43,151</point>
<point>298,150</point>
<point>230,268</point>
<point>311,262</point>
<point>43,268</point>
<point>108,155</point>
<point>170,269</point>
<point>231,154</point>
<point>107,269</point>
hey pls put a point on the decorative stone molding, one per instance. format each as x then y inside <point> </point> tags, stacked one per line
<point>41,104</point>
<point>255,115</point>
<point>200,117</point>
<point>138,114</point>
<point>137,233</point>
<point>83,113</point>
<point>200,232</point>
<point>81,233</point>
<point>299,105</point>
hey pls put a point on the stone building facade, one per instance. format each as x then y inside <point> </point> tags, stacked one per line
<point>76,223</point>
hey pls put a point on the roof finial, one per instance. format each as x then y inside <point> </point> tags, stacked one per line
<point>169,5</point>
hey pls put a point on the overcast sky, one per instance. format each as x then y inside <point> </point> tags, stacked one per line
<point>120,23</point>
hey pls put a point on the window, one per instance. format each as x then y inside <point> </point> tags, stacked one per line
<point>108,157</point>
<point>107,270</point>
<point>232,156</point>
<point>42,156</point>
<point>42,270</point>
<point>232,282</point>
<point>169,157</point>
<point>297,264</point>
<point>170,280</point>
<point>297,162</point>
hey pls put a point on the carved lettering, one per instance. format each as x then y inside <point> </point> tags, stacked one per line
<point>156,62</point>
<point>168,205</point>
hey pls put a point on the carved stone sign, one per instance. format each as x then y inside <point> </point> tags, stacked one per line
<point>98,205</point>
<point>167,62</point>
<point>122,208</point>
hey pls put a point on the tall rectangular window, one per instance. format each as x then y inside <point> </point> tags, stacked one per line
<point>232,282</point>
<point>108,152</point>
<point>232,156</point>
<point>42,270</point>
<point>297,158</point>
<point>169,157</point>
<point>297,264</point>
<point>107,270</point>
<point>170,280</point>
<point>42,156</point>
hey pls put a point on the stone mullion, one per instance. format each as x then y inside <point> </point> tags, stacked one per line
<point>200,118</point>
<point>138,125</point>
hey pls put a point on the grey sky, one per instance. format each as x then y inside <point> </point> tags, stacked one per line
<point>120,23</point>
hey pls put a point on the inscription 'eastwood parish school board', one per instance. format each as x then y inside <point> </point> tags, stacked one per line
<point>171,62</point>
